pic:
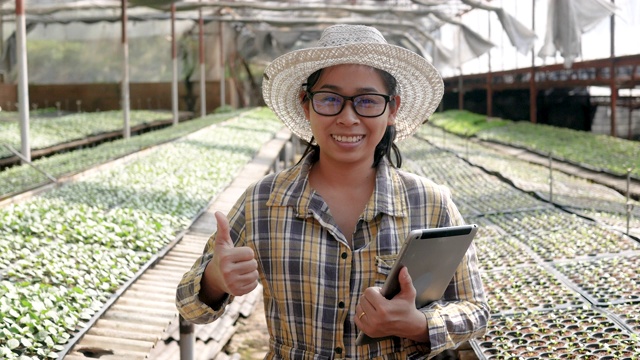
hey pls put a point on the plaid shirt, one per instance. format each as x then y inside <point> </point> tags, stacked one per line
<point>312,279</point>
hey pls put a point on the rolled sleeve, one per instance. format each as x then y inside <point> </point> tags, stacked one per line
<point>188,300</point>
<point>463,313</point>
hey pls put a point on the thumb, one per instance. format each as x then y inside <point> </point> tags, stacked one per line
<point>223,236</point>
<point>406,283</point>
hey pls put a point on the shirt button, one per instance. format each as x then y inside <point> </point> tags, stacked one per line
<point>341,304</point>
<point>344,255</point>
<point>338,350</point>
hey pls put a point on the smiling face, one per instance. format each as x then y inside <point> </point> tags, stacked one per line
<point>348,137</point>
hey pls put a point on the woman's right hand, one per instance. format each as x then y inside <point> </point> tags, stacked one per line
<point>232,270</point>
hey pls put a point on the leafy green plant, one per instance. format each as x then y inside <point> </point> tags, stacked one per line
<point>595,151</point>
<point>38,318</point>
<point>465,123</point>
<point>111,223</point>
<point>20,178</point>
<point>46,131</point>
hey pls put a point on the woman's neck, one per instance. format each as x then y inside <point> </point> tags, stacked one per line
<point>343,174</point>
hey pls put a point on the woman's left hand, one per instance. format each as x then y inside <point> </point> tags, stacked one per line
<point>378,317</point>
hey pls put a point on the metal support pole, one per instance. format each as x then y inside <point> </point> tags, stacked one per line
<point>630,119</point>
<point>460,80</point>
<point>613,85</point>
<point>2,79</point>
<point>203,75</point>
<point>533,92</point>
<point>629,204</point>
<point>174,59</point>
<point>23,80</point>
<point>222,67</point>
<point>187,340</point>
<point>460,91</point>
<point>550,177</point>
<point>489,76</point>
<point>126,100</point>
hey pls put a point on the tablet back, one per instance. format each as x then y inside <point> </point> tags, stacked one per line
<point>432,257</point>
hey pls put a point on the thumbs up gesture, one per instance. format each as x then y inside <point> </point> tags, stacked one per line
<point>232,270</point>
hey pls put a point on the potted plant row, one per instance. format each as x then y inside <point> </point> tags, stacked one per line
<point>527,288</point>
<point>606,281</point>
<point>573,333</point>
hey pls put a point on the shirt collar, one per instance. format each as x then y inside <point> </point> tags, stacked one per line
<point>291,188</point>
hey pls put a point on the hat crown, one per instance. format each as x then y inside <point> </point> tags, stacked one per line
<point>339,35</point>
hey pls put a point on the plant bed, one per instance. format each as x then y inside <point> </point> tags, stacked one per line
<point>578,243</point>
<point>47,131</point>
<point>534,178</point>
<point>498,198</point>
<point>575,194</point>
<point>606,281</point>
<point>111,222</point>
<point>537,221</point>
<point>500,252</point>
<point>38,318</point>
<point>610,154</point>
<point>465,123</point>
<point>527,288</point>
<point>94,267</point>
<point>18,179</point>
<point>628,315</point>
<point>615,219</point>
<point>555,236</point>
<point>449,170</point>
<point>566,333</point>
<point>606,153</point>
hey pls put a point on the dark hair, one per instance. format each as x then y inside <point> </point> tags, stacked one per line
<point>386,145</point>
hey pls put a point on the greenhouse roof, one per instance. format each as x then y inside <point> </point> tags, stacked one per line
<point>280,26</point>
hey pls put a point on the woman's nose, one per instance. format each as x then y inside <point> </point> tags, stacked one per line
<point>348,115</point>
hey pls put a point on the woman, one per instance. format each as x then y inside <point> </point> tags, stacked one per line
<point>321,235</point>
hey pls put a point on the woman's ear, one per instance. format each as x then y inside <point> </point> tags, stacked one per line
<point>394,105</point>
<point>304,102</point>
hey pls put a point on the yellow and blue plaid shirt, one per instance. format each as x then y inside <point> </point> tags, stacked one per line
<point>312,279</point>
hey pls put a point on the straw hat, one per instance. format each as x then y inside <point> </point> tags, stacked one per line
<point>419,83</point>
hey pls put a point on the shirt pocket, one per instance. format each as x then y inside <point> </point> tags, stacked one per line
<point>384,263</point>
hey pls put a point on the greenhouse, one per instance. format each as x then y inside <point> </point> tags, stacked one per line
<point>141,142</point>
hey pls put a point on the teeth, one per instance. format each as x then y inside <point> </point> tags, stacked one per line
<point>350,139</point>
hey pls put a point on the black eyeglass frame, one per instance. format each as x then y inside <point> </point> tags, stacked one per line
<point>311,94</point>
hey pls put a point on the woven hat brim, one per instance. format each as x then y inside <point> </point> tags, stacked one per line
<point>419,83</point>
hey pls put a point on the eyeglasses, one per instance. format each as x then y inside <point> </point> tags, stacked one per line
<point>328,103</point>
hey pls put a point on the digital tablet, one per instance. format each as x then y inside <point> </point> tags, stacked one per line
<point>432,257</point>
